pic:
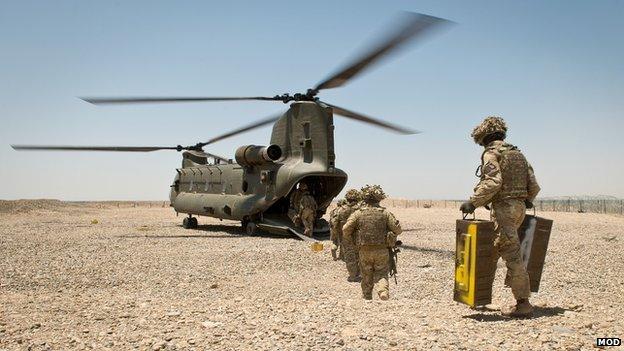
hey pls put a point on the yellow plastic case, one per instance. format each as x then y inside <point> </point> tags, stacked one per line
<point>474,271</point>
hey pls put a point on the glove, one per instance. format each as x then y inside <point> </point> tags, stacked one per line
<point>467,207</point>
<point>391,239</point>
<point>528,204</point>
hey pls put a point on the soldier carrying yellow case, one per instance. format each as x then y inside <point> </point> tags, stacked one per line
<point>507,183</point>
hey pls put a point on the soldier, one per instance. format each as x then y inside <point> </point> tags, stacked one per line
<point>509,185</point>
<point>348,245</point>
<point>370,225</point>
<point>307,213</point>
<point>335,231</point>
<point>295,201</point>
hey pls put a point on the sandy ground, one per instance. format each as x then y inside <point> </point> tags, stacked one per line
<point>138,280</point>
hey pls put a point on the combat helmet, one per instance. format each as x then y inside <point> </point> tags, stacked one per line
<point>490,125</point>
<point>353,195</point>
<point>373,193</point>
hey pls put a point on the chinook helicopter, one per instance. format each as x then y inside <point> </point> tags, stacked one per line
<point>256,189</point>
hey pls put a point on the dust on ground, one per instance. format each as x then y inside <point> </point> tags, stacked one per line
<point>138,280</point>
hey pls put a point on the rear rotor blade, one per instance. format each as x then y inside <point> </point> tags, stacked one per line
<point>370,120</point>
<point>246,128</point>
<point>149,99</point>
<point>92,148</point>
<point>412,25</point>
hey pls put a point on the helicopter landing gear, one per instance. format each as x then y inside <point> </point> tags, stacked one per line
<point>189,222</point>
<point>251,229</point>
<point>249,226</point>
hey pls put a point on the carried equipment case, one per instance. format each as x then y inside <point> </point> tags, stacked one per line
<point>534,234</point>
<point>474,270</point>
<point>475,266</point>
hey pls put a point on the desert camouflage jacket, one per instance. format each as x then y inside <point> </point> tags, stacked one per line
<point>505,173</point>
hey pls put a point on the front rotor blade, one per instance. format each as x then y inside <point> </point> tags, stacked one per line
<point>91,148</point>
<point>246,128</point>
<point>149,99</point>
<point>370,120</point>
<point>412,25</point>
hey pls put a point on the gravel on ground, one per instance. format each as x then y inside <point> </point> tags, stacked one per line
<point>137,280</point>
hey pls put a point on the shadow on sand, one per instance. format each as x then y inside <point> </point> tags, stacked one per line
<point>538,312</point>
<point>446,253</point>
<point>205,232</point>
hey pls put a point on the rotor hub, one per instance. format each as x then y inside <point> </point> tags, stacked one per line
<point>310,95</point>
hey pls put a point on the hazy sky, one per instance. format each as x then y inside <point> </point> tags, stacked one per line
<point>553,69</point>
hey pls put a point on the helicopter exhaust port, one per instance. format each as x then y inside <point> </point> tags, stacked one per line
<point>254,155</point>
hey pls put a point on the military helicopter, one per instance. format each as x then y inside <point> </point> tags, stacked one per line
<point>256,188</point>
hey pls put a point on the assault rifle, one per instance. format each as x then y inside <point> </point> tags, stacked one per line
<point>393,259</point>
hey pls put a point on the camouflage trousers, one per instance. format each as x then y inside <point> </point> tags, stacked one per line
<point>374,269</point>
<point>307,216</point>
<point>294,217</point>
<point>351,257</point>
<point>508,216</point>
<point>335,235</point>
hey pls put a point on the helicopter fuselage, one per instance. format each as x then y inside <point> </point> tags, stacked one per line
<point>257,186</point>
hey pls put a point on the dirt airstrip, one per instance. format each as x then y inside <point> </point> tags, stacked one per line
<point>137,280</point>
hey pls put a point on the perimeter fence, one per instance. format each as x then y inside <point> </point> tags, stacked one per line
<point>611,206</point>
<point>121,204</point>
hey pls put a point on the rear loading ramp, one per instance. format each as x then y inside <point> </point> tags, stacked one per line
<point>282,225</point>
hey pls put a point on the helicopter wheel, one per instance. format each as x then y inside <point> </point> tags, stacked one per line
<point>189,223</point>
<point>186,223</point>
<point>251,229</point>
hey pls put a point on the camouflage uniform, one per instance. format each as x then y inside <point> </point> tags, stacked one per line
<point>348,244</point>
<point>335,231</point>
<point>307,213</point>
<point>507,180</point>
<point>370,226</point>
<point>295,202</point>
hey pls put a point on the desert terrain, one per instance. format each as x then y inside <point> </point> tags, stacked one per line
<point>137,280</point>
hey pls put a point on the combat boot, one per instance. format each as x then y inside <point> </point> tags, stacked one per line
<point>522,309</point>
<point>367,296</point>
<point>384,295</point>
<point>334,252</point>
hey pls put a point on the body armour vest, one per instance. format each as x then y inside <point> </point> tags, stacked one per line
<point>372,227</point>
<point>514,170</point>
<point>343,214</point>
<point>308,202</point>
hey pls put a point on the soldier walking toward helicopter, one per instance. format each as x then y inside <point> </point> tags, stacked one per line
<point>348,246</point>
<point>375,229</point>
<point>335,231</point>
<point>508,184</point>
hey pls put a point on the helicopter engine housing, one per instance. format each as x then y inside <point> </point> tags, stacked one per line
<point>254,155</point>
